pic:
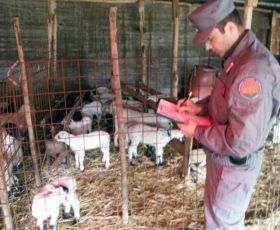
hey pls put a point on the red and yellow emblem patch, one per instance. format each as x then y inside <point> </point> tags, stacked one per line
<point>249,87</point>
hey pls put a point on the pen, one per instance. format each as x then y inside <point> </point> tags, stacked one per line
<point>184,101</point>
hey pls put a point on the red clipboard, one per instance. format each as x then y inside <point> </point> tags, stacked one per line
<point>168,109</point>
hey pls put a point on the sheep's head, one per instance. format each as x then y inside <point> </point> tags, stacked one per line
<point>61,135</point>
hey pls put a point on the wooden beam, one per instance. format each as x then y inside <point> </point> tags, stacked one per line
<point>174,75</point>
<point>103,1</point>
<point>248,12</point>
<point>138,96</point>
<point>144,87</point>
<point>132,1</point>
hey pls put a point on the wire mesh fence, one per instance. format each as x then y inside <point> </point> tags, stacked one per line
<point>72,106</point>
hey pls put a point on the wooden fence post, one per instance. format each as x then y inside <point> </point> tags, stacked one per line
<point>26,99</point>
<point>119,110</point>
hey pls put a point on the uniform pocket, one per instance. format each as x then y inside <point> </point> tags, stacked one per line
<point>233,194</point>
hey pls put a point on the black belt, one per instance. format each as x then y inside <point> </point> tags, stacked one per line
<point>237,160</point>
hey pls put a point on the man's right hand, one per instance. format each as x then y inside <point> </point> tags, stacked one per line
<point>189,107</point>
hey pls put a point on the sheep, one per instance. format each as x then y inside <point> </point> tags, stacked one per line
<point>91,109</point>
<point>48,199</point>
<point>110,106</point>
<point>12,157</point>
<point>54,148</point>
<point>133,116</point>
<point>79,127</point>
<point>149,135</point>
<point>80,143</point>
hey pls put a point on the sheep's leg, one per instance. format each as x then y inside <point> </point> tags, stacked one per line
<point>16,182</point>
<point>67,207</point>
<point>132,152</point>
<point>116,137</point>
<point>75,203</point>
<point>126,140</point>
<point>40,225</point>
<point>106,156</point>
<point>81,160</point>
<point>54,216</point>
<point>77,159</point>
<point>159,155</point>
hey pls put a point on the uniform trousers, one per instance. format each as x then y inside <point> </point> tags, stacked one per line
<point>228,190</point>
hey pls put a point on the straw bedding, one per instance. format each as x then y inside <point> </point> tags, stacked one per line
<point>158,197</point>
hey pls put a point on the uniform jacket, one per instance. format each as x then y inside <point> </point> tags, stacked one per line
<point>244,102</point>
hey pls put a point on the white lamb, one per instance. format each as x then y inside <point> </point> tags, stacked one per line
<point>48,199</point>
<point>81,143</point>
<point>80,127</point>
<point>92,109</point>
<point>110,106</point>
<point>156,137</point>
<point>133,116</point>
<point>12,156</point>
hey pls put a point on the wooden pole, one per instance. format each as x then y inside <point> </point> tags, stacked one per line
<point>142,41</point>
<point>186,157</point>
<point>119,109</point>
<point>26,99</point>
<point>4,197</point>
<point>248,12</point>
<point>52,42</point>
<point>174,77</point>
<point>275,33</point>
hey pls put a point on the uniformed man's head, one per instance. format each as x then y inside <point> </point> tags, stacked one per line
<point>218,24</point>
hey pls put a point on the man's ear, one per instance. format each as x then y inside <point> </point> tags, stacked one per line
<point>230,27</point>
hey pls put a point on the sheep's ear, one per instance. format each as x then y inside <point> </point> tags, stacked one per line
<point>65,189</point>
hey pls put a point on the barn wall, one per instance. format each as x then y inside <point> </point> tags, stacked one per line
<point>83,33</point>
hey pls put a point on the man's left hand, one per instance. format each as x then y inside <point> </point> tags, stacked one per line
<point>188,128</point>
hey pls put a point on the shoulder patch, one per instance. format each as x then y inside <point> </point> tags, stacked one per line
<point>249,87</point>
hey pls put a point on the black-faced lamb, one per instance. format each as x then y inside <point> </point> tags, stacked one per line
<point>149,135</point>
<point>83,142</point>
<point>48,199</point>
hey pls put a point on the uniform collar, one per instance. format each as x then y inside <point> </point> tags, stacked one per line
<point>238,49</point>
